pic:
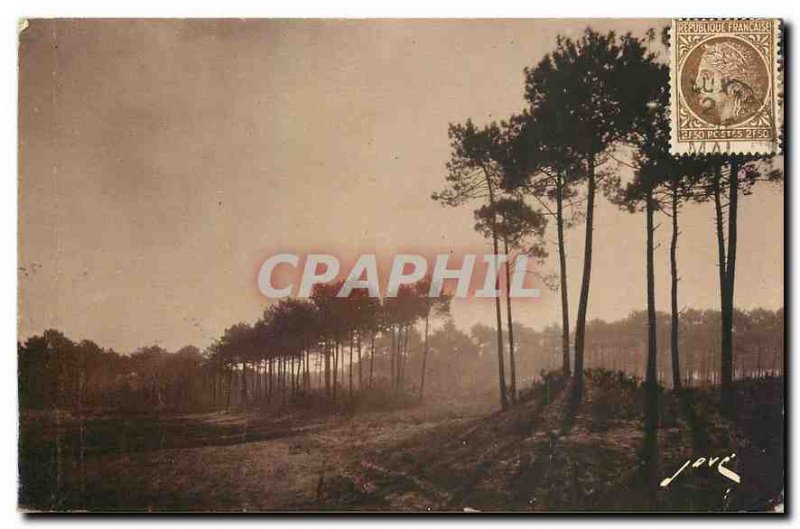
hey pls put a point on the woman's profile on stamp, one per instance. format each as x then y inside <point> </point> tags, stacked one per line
<point>730,83</point>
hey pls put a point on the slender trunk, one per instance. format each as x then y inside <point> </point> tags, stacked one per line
<point>307,374</point>
<point>652,351</point>
<point>327,353</point>
<point>719,224</point>
<point>321,366</point>
<point>424,356</point>
<point>342,372</point>
<point>723,289</point>
<point>583,300</point>
<point>673,269</point>
<point>399,359</point>
<point>758,362</point>
<point>501,369</point>
<point>512,361</point>
<point>281,378</point>
<point>399,366</point>
<point>295,366</point>
<point>269,379</point>
<point>262,366</point>
<point>290,371</point>
<point>403,353</point>
<point>726,368</point>
<point>230,388</point>
<point>371,358</point>
<point>257,366</point>
<point>285,377</point>
<point>336,369</point>
<point>264,380</point>
<point>351,366</point>
<point>651,381</point>
<point>360,370</point>
<point>392,356</point>
<point>301,362</point>
<point>562,263</point>
<point>244,383</point>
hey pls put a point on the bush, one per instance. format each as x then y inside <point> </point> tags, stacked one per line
<point>549,385</point>
<point>612,395</point>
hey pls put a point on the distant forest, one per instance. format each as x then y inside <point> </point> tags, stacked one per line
<point>56,372</point>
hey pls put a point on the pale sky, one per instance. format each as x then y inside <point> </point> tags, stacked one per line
<point>162,161</point>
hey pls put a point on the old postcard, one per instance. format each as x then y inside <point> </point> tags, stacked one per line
<point>401,265</point>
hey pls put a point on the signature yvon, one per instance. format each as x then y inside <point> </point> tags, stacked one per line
<point>711,462</point>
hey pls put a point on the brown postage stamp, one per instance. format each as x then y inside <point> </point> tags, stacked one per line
<point>726,89</point>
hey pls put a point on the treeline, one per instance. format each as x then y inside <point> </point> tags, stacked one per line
<point>596,123</point>
<point>339,332</point>
<point>55,372</point>
<point>621,345</point>
<point>327,343</point>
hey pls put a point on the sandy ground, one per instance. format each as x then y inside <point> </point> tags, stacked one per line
<point>453,456</point>
<point>296,465</point>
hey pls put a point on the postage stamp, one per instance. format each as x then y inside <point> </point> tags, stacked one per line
<point>726,91</point>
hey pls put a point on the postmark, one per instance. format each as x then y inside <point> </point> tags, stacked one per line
<point>726,91</point>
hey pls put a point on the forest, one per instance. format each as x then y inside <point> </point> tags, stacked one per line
<point>594,122</point>
<point>56,372</point>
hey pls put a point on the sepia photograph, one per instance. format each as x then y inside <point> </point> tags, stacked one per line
<point>401,265</point>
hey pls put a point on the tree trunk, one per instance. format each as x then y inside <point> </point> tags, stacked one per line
<point>292,376</point>
<point>651,381</point>
<point>562,262</point>
<point>351,366</point>
<point>244,383</point>
<point>673,269</point>
<point>726,371</point>
<point>404,357</point>
<point>327,348</point>
<point>336,369</point>
<point>758,362</point>
<point>371,358</point>
<point>282,378</point>
<point>230,389</point>
<point>360,370</point>
<point>725,338</point>
<point>399,359</point>
<point>511,359</point>
<point>297,362</point>
<point>424,357</point>
<point>392,358</point>
<point>652,351</point>
<point>501,369</point>
<point>583,300</point>
<point>307,375</point>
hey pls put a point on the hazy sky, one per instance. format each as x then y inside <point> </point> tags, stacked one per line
<point>162,161</point>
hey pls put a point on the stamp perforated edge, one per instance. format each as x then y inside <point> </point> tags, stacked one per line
<point>732,148</point>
